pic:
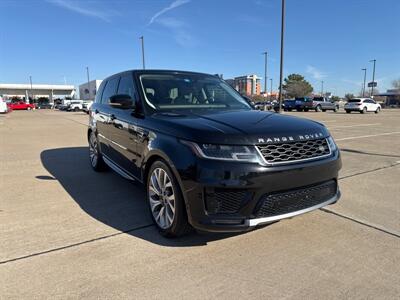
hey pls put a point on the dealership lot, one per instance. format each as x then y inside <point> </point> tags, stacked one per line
<point>69,232</point>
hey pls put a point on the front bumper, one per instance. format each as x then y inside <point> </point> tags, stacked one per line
<point>211,180</point>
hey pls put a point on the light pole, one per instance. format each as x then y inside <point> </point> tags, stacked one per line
<point>365,78</point>
<point>142,38</point>
<point>373,77</point>
<point>270,96</point>
<point>281,64</point>
<point>322,88</point>
<point>30,80</point>
<point>88,81</point>
<point>265,72</point>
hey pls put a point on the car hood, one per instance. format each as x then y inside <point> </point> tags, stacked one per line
<point>245,127</point>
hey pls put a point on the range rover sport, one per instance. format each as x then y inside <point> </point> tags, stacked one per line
<point>206,158</point>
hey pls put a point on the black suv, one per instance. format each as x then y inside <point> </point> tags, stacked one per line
<point>208,160</point>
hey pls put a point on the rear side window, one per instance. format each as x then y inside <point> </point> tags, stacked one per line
<point>354,100</point>
<point>126,86</point>
<point>109,90</point>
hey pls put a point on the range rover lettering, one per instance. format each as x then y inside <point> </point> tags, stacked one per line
<point>207,159</point>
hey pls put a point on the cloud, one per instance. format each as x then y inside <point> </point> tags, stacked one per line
<point>315,73</point>
<point>179,32</point>
<point>89,12</point>
<point>173,5</point>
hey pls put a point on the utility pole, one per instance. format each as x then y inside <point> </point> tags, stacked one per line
<point>281,64</point>
<point>365,77</point>
<point>88,81</point>
<point>373,77</point>
<point>270,96</point>
<point>30,79</point>
<point>265,72</point>
<point>142,38</point>
<point>322,88</point>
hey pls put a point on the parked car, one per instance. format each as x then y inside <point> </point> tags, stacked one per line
<point>207,159</point>
<point>86,106</point>
<point>21,106</point>
<point>44,105</point>
<point>324,104</point>
<point>264,105</point>
<point>303,103</point>
<point>3,106</point>
<point>75,106</point>
<point>362,105</point>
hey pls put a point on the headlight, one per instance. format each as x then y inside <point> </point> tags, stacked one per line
<point>331,144</point>
<point>225,152</point>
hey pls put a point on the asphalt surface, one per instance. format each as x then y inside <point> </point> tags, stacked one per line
<point>68,232</point>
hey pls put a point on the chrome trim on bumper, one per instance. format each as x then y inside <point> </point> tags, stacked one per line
<point>259,221</point>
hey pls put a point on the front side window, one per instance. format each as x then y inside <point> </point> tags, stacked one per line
<point>189,92</point>
<point>126,86</point>
<point>109,90</point>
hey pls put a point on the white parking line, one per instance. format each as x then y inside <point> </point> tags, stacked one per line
<point>359,125</point>
<point>367,136</point>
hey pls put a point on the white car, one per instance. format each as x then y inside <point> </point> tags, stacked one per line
<point>86,106</point>
<point>75,106</point>
<point>362,105</point>
<point>3,106</point>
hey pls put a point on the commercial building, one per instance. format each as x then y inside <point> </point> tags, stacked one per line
<point>392,97</point>
<point>34,91</point>
<point>248,84</point>
<point>88,90</point>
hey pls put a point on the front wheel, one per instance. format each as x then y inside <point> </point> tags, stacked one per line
<point>336,109</point>
<point>96,159</point>
<point>318,108</point>
<point>166,202</point>
<point>378,110</point>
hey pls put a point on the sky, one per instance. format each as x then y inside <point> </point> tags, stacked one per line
<point>55,40</point>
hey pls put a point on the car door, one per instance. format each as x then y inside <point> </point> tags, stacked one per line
<point>103,116</point>
<point>122,129</point>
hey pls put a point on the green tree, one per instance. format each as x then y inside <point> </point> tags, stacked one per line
<point>296,86</point>
<point>349,96</point>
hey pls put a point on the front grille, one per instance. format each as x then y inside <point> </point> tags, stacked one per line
<point>295,200</point>
<point>294,151</point>
<point>222,201</point>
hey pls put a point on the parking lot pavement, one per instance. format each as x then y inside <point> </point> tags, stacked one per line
<point>69,232</point>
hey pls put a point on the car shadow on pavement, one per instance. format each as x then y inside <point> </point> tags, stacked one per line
<point>111,199</point>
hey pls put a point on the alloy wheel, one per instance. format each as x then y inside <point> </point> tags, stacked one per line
<point>162,198</point>
<point>93,150</point>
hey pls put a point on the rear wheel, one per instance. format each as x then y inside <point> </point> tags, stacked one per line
<point>378,110</point>
<point>76,109</point>
<point>364,110</point>
<point>96,159</point>
<point>348,111</point>
<point>166,202</point>
<point>29,108</point>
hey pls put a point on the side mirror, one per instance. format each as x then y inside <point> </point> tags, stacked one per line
<point>121,101</point>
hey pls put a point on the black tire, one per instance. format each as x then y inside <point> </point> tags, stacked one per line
<point>364,110</point>
<point>289,109</point>
<point>318,108</point>
<point>76,109</point>
<point>306,109</point>
<point>348,111</point>
<point>299,109</point>
<point>95,157</point>
<point>378,110</point>
<point>324,110</point>
<point>179,225</point>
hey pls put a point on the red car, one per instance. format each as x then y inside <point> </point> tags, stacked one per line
<point>20,106</point>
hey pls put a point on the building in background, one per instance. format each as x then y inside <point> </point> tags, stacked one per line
<point>88,90</point>
<point>392,97</point>
<point>248,84</point>
<point>35,91</point>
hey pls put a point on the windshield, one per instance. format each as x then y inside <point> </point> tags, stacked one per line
<point>354,100</point>
<point>189,91</point>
